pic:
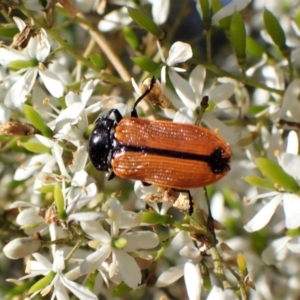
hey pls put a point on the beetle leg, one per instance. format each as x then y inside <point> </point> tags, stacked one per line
<point>146,183</point>
<point>138,100</point>
<point>110,175</point>
<point>117,114</point>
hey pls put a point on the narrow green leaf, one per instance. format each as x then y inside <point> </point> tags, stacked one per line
<point>42,283</point>
<point>253,48</point>
<point>131,37</point>
<point>145,22</point>
<point>36,120</point>
<point>8,32</point>
<point>155,218</point>
<point>97,60</point>
<point>59,202</point>
<point>275,30</point>
<point>146,64</point>
<point>297,19</point>
<point>276,174</point>
<point>46,189</point>
<point>36,147</point>
<point>23,64</point>
<point>206,14</point>
<point>238,37</point>
<point>120,290</point>
<point>259,182</point>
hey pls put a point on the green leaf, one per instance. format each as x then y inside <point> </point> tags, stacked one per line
<point>238,37</point>
<point>23,64</point>
<point>259,182</point>
<point>146,64</point>
<point>97,60</point>
<point>145,22</point>
<point>131,38</point>
<point>42,283</point>
<point>216,5</point>
<point>275,30</point>
<point>120,290</point>
<point>255,109</point>
<point>155,218</point>
<point>276,174</point>
<point>46,189</point>
<point>36,120</point>
<point>59,202</point>
<point>247,140</point>
<point>297,19</point>
<point>36,147</point>
<point>206,14</point>
<point>253,48</point>
<point>8,32</point>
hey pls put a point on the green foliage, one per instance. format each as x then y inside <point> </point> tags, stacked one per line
<point>145,22</point>
<point>238,37</point>
<point>276,174</point>
<point>36,120</point>
<point>275,30</point>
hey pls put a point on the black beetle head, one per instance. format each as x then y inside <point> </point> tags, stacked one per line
<point>100,143</point>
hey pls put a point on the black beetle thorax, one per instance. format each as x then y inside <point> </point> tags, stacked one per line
<point>101,143</point>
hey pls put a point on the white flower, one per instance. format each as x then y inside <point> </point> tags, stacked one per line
<point>179,53</point>
<point>190,271</point>
<point>118,244</point>
<point>60,283</point>
<point>290,162</point>
<point>191,93</point>
<point>37,50</point>
<point>217,293</point>
<point>119,17</point>
<point>44,162</point>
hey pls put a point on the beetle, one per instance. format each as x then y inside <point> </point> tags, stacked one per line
<point>163,153</point>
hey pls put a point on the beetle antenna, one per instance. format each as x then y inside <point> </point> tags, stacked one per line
<point>203,107</point>
<point>138,100</point>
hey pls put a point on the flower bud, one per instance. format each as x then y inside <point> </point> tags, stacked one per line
<point>21,247</point>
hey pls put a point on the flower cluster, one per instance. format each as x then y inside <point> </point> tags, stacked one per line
<point>81,235</point>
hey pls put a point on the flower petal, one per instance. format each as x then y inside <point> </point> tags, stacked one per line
<point>170,276</point>
<point>183,90</point>
<point>77,289</point>
<point>114,20</point>
<point>276,251</point>
<point>229,9</point>
<point>95,259</point>
<point>185,116</point>
<point>160,11</point>
<point>290,163</point>
<point>20,90</point>
<point>96,231</point>
<point>179,52</point>
<point>263,217</point>
<point>196,80</point>
<point>43,46</point>
<point>193,281</point>
<point>30,166</point>
<point>292,143</point>
<point>221,92</point>
<point>52,83</point>
<point>140,240</point>
<point>294,244</point>
<point>291,206</point>
<point>128,268</point>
